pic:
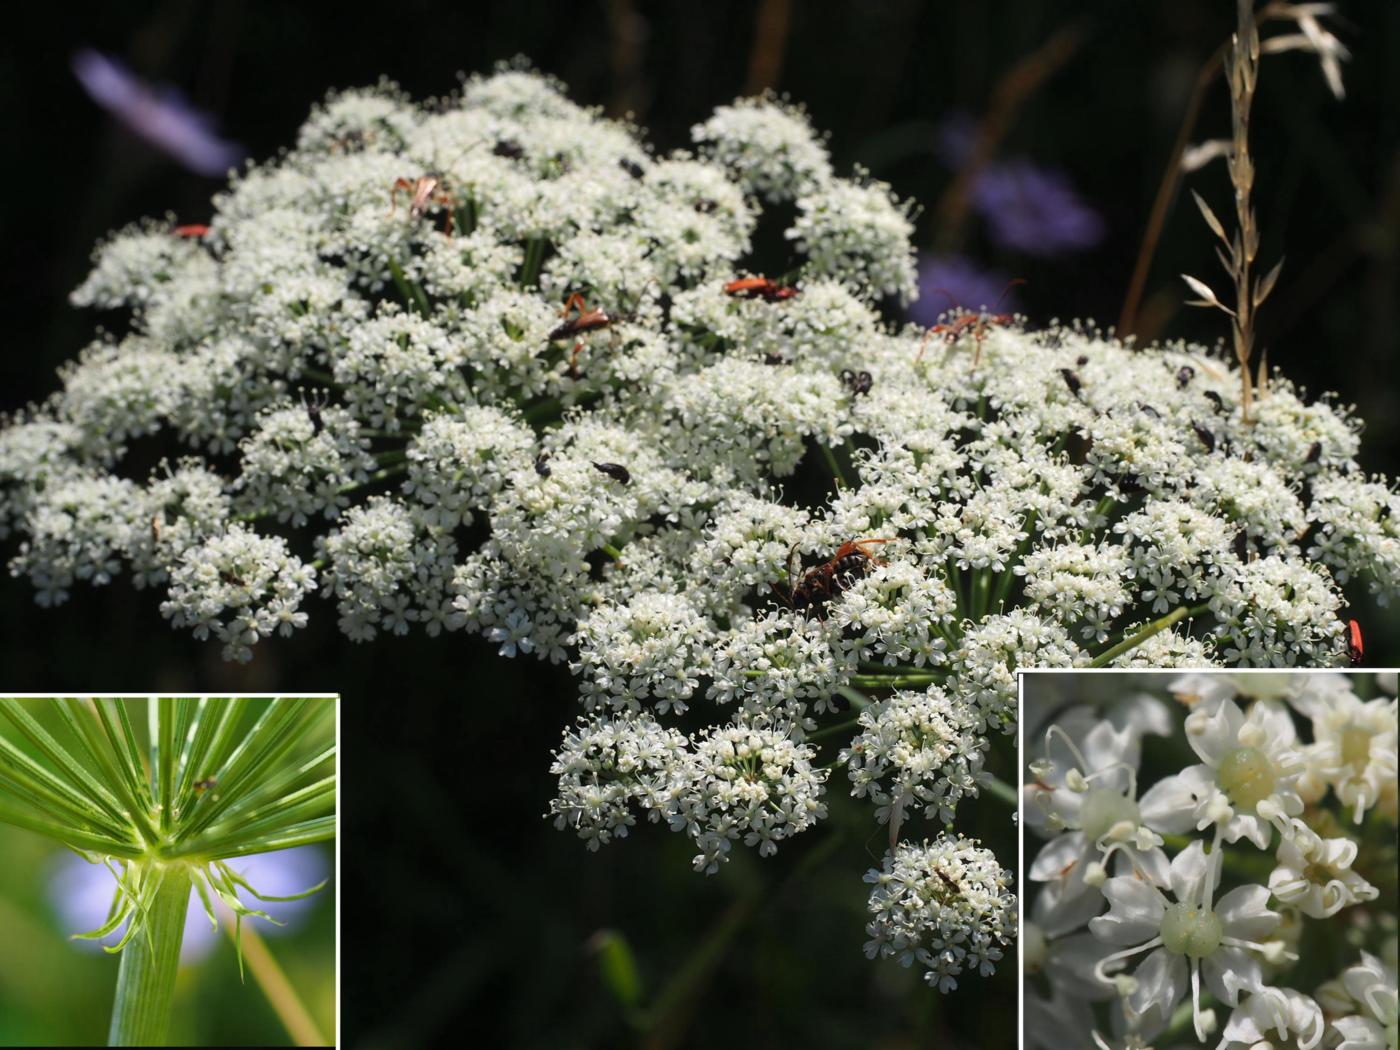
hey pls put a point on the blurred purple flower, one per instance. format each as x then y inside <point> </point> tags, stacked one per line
<point>946,281</point>
<point>1034,210</point>
<point>1027,208</point>
<point>81,894</point>
<point>160,115</point>
<point>956,136</point>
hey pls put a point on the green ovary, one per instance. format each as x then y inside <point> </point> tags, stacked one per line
<point>1247,776</point>
<point>1102,808</point>
<point>1190,929</point>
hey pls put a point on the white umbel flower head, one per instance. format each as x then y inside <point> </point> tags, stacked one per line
<point>946,904</point>
<point>751,783</point>
<point>915,749</point>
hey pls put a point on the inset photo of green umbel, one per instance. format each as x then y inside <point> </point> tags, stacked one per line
<point>144,826</point>
<point>1210,860</point>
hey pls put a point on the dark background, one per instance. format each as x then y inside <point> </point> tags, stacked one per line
<point>466,916</point>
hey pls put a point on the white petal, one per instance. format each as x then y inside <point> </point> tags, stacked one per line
<point>1105,746</point>
<point>1259,832</point>
<point>1058,857</point>
<point>1161,983</point>
<point>1230,971</point>
<point>1214,732</point>
<point>1189,871</point>
<point>1169,807</point>
<point>1064,906</point>
<point>1359,1033</point>
<point>1135,912</point>
<point>1071,966</point>
<point>1244,913</point>
<point>1152,863</point>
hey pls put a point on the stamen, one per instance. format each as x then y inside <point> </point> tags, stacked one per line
<point>1073,750</point>
<point>1100,967</point>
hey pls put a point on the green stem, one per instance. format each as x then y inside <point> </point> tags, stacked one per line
<point>146,979</point>
<point>866,667</point>
<point>373,479</point>
<point>844,727</point>
<point>981,592</point>
<point>413,296</point>
<point>859,701</point>
<point>892,681</point>
<point>999,789</point>
<point>1008,575</point>
<point>281,996</point>
<point>612,552</point>
<point>834,467</point>
<point>1155,627</point>
<point>955,582</point>
<point>534,258</point>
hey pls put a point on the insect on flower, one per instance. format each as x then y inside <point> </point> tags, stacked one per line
<point>1355,650</point>
<point>820,584</point>
<point>759,287</point>
<point>194,229</point>
<point>586,321</point>
<point>616,471</point>
<point>542,467</point>
<point>976,322</point>
<point>948,880</point>
<point>423,192</point>
<point>315,406</point>
<point>856,382</point>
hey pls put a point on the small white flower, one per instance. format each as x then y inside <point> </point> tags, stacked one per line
<point>1247,781</point>
<point>1314,874</point>
<point>1373,1025</point>
<point>1187,937</point>
<point>1273,1014</point>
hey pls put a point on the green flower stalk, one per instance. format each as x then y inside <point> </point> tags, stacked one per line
<point>213,778</point>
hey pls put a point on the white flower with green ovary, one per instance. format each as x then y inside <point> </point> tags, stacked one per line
<point>1247,780</point>
<point>1187,936</point>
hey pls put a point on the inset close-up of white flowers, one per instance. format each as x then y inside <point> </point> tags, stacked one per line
<point>1212,859</point>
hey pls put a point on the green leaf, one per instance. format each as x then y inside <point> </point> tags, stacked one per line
<point>82,780</point>
<point>618,967</point>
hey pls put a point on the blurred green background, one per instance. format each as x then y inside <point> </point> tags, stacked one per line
<point>468,918</point>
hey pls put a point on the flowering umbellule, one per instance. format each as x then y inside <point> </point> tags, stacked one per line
<point>1275,827</point>
<point>482,365</point>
